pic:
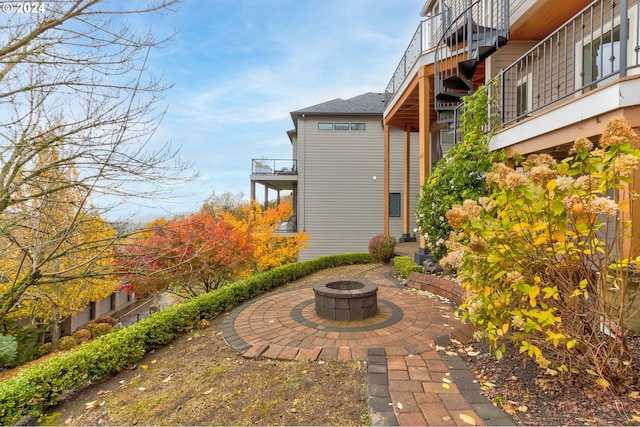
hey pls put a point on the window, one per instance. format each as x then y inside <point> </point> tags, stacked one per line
<point>601,58</point>
<point>342,126</point>
<point>395,205</point>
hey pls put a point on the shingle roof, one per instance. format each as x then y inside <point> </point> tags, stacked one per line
<point>368,103</point>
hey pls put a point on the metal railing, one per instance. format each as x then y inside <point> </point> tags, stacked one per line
<point>592,49</point>
<point>424,39</point>
<point>289,226</point>
<point>274,167</point>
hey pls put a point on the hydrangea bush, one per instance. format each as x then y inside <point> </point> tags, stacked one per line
<point>545,260</point>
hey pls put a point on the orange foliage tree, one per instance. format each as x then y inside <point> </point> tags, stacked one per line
<point>187,255</point>
<point>270,248</point>
<point>201,252</point>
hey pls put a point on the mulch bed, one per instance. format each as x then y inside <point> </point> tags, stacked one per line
<point>534,397</point>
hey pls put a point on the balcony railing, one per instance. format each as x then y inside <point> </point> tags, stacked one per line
<point>274,167</point>
<point>589,51</point>
<point>425,38</point>
<point>289,226</point>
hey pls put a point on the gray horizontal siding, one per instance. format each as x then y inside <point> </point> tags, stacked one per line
<point>341,205</point>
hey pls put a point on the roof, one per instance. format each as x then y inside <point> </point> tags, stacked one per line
<point>369,103</point>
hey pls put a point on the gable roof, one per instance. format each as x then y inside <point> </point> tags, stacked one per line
<point>370,104</point>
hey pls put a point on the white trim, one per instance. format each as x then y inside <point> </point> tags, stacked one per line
<point>594,103</point>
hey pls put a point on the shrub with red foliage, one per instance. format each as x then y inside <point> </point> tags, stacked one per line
<point>381,248</point>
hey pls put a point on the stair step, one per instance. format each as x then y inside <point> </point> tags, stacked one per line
<point>467,69</point>
<point>446,117</point>
<point>450,96</point>
<point>458,82</point>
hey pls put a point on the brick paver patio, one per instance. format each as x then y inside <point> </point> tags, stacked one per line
<point>409,382</point>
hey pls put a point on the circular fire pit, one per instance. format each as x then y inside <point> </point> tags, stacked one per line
<point>346,299</point>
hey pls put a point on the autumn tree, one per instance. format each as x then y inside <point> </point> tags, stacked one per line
<point>271,248</point>
<point>72,264</point>
<point>233,203</point>
<point>74,83</point>
<point>187,256</point>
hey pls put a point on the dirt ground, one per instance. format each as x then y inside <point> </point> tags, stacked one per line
<point>532,397</point>
<point>200,380</point>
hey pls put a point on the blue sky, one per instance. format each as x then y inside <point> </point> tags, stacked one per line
<point>239,67</point>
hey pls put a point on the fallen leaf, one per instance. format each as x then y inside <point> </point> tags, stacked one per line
<point>523,408</point>
<point>446,380</point>
<point>509,409</point>
<point>141,388</point>
<point>473,353</point>
<point>634,394</point>
<point>603,383</point>
<point>90,405</point>
<point>400,405</point>
<point>552,372</point>
<point>488,384</point>
<point>145,367</point>
<point>451,353</point>
<point>468,419</point>
<point>154,361</point>
<point>320,362</point>
<point>208,391</point>
<point>636,418</point>
<point>166,380</point>
<point>439,348</point>
<point>445,385</point>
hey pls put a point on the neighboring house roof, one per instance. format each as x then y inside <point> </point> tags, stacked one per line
<point>369,103</point>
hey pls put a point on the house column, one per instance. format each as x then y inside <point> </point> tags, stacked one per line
<point>253,190</point>
<point>387,131</point>
<point>406,236</point>
<point>424,144</point>
<point>266,197</point>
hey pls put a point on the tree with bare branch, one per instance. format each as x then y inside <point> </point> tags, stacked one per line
<point>74,81</point>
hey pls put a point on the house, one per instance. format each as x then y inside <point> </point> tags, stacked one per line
<point>336,175</point>
<point>564,68</point>
<point>116,305</point>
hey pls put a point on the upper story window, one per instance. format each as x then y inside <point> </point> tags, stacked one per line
<point>601,57</point>
<point>342,126</point>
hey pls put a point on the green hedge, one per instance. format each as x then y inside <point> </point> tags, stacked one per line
<point>403,265</point>
<point>40,386</point>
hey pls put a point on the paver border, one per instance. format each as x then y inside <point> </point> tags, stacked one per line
<point>396,316</point>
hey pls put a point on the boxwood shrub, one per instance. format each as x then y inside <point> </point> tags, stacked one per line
<point>403,265</point>
<point>40,386</point>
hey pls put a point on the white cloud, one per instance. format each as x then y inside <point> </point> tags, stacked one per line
<point>240,67</point>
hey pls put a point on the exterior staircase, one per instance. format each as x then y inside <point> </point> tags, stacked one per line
<point>472,31</point>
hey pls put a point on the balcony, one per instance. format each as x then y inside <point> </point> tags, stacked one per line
<point>424,39</point>
<point>587,53</point>
<point>586,70</point>
<point>273,167</point>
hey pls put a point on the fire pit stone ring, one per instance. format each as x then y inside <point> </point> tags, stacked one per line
<point>346,299</point>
